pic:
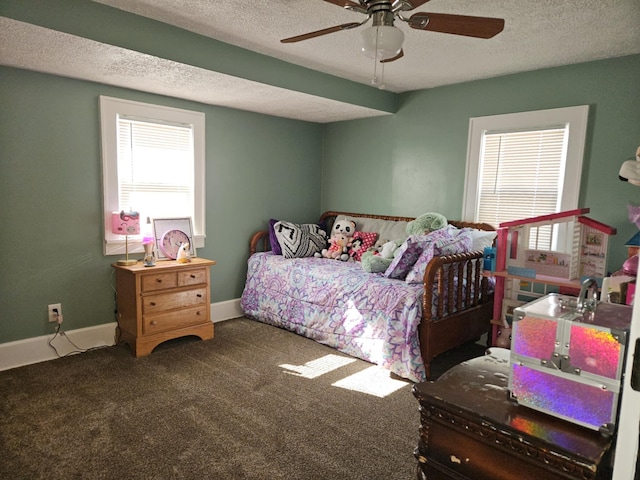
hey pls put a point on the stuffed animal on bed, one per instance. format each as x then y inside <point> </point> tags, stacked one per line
<point>338,247</point>
<point>425,223</point>
<point>379,259</point>
<point>360,243</point>
<point>340,240</point>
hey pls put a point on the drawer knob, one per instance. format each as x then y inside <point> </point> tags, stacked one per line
<point>193,276</point>
<point>158,280</point>
<point>198,313</point>
<point>153,304</point>
<point>199,295</point>
<point>153,322</point>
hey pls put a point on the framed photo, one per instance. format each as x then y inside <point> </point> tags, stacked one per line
<point>170,234</point>
<point>508,305</point>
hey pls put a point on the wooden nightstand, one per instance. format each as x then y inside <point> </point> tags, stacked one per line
<point>170,300</point>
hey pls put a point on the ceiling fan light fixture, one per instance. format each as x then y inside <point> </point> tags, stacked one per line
<point>382,41</point>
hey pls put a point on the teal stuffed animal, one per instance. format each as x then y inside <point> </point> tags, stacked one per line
<point>374,262</point>
<point>379,261</point>
<point>425,223</point>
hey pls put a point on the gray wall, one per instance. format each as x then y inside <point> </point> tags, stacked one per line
<point>260,167</point>
<point>414,161</point>
<point>257,166</point>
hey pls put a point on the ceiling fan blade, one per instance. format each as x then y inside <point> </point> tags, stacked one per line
<point>318,33</point>
<point>398,56</point>
<point>478,27</point>
<point>411,4</point>
<point>345,3</point>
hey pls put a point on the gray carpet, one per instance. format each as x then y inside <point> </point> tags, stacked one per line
<point>219,409</point>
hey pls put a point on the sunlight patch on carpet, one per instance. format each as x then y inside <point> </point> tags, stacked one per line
<point>373,381</point>
<point>318,367</point>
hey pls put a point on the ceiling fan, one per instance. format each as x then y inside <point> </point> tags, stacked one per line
<point>383,41</point>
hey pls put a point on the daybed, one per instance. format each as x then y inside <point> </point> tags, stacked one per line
<point>398,325</point>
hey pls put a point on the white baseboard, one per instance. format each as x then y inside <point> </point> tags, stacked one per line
<point>37,349</point>
<point>226,310</point>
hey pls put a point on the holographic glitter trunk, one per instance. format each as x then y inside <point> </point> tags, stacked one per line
<point>569,364</point>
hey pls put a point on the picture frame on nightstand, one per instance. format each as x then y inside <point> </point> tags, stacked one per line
<point>170,233</point>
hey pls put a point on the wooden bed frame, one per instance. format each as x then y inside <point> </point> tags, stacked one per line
<point>439,331</point>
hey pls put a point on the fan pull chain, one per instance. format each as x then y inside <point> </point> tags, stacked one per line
<point>374,80</point>
<point>379,82</point>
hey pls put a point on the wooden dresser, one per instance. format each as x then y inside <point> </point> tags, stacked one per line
<point>170,300</point>
<point>471,431</point>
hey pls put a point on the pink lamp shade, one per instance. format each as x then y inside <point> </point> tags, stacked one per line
<point>125,223</point>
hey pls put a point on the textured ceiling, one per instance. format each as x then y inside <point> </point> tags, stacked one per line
<point>44,50</point>
<point>537,34</point>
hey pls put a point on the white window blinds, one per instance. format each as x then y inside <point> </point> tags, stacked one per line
<point>155,168</point>
<point>521,176</point>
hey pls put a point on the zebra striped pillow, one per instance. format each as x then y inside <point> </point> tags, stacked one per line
<point>300,240</point>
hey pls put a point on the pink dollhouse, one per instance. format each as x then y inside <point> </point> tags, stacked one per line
<point>531,261</point>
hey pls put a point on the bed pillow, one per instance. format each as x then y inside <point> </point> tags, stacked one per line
<point>406,256</point>
<point>460,244</point>
<point>300,240</point>
<point>480,239</point>
<point>386,229</point>
<point>416,271</point>
<point>273,240</point>
<point>368,239</point>
<point>442,246</point>
<point>414,247</point>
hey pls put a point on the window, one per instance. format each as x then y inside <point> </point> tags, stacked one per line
<point>153,163</point>
<point>524,165</point>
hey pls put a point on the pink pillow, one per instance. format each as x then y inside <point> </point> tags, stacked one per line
<point>365,240</point>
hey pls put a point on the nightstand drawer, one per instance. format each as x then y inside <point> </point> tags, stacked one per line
<point>173,300</point>
<point>159,281</point>
<point>163,322</point>
<point>192,277</point>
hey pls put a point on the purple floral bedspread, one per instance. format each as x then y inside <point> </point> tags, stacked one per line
<point>362,314</point>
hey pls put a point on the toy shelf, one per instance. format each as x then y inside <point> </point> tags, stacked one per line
<point>518,260</point>
<point>547,279</point>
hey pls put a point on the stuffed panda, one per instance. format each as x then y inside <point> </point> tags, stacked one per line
<point>340,240</point>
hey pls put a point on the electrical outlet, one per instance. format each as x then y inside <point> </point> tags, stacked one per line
<point>53,317</point>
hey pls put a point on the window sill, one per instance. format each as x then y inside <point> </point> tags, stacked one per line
<point>119,247</point>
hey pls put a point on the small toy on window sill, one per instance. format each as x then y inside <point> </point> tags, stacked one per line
<point>184,256</point>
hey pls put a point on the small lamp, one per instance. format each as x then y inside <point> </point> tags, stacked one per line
<point>125,223</point>
<point>148,241</point>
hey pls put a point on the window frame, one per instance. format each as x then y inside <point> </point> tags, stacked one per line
<point>110,109</point>
<point>575,118</point>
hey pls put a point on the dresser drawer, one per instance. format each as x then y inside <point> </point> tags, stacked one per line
<point>172,300</point>
<point>159,281</point>
<point>192,277</point>
<point>168,301</point>
<point>163,322</point>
